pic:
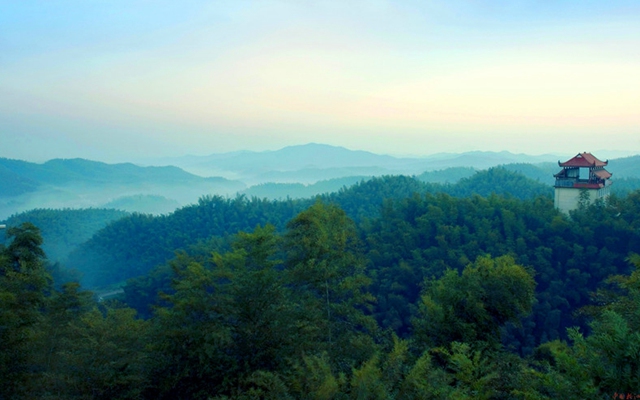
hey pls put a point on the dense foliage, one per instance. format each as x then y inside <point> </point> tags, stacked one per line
<point>290,316</point>
<point>133,246</point>
<point>390,289</point>
<point>421,236</point>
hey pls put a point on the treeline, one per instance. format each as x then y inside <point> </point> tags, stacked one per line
<point>279,191</point>
<point>290,315</point>
<point>136,244</point>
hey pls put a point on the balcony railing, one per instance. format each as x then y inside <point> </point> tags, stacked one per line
<point>565,182</point>
<point>584,183</point>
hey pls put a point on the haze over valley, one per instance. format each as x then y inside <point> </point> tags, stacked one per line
<point>295,172</point>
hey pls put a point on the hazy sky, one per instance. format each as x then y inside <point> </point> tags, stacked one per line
<point>123,80</point>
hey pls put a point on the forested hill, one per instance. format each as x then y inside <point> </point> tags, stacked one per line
<point>626,173</point>
<point>133,245</point>
<point>626,167</point>
<point>59,172</point>
<point>81,183</point>
<point>456,181</point>
<point>421,237</point>
<point>421,294</point>
<point>64,230</point>
<point>279,191</point>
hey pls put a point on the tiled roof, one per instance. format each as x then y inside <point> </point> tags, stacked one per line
<point>561,174</point>
<point>583,160</point>
<point>602,174</point>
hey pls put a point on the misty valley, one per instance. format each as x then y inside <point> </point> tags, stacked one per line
<point>317,272</point>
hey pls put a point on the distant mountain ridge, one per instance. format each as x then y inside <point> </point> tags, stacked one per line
<point>79,183</point>
<point>323,162</point>
<point>79,170</point>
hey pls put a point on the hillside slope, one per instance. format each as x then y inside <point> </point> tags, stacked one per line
<point>133,245</point>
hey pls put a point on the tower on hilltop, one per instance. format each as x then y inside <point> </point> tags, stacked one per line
<point>583,178</point>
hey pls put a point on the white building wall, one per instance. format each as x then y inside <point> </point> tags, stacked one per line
<point>566,199</point>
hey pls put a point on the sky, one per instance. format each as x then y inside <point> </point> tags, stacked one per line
<point>126,80</point>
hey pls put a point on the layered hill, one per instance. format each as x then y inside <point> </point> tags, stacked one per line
<point>65,229</point>
<point>79,183</point>
<point>314,162</point>
<point>133,245</point>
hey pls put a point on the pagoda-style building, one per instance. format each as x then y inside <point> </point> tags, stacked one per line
<point>583,174</point>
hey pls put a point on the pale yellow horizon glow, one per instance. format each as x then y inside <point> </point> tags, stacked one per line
<point>309,91</point>
<point>385,82</point>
